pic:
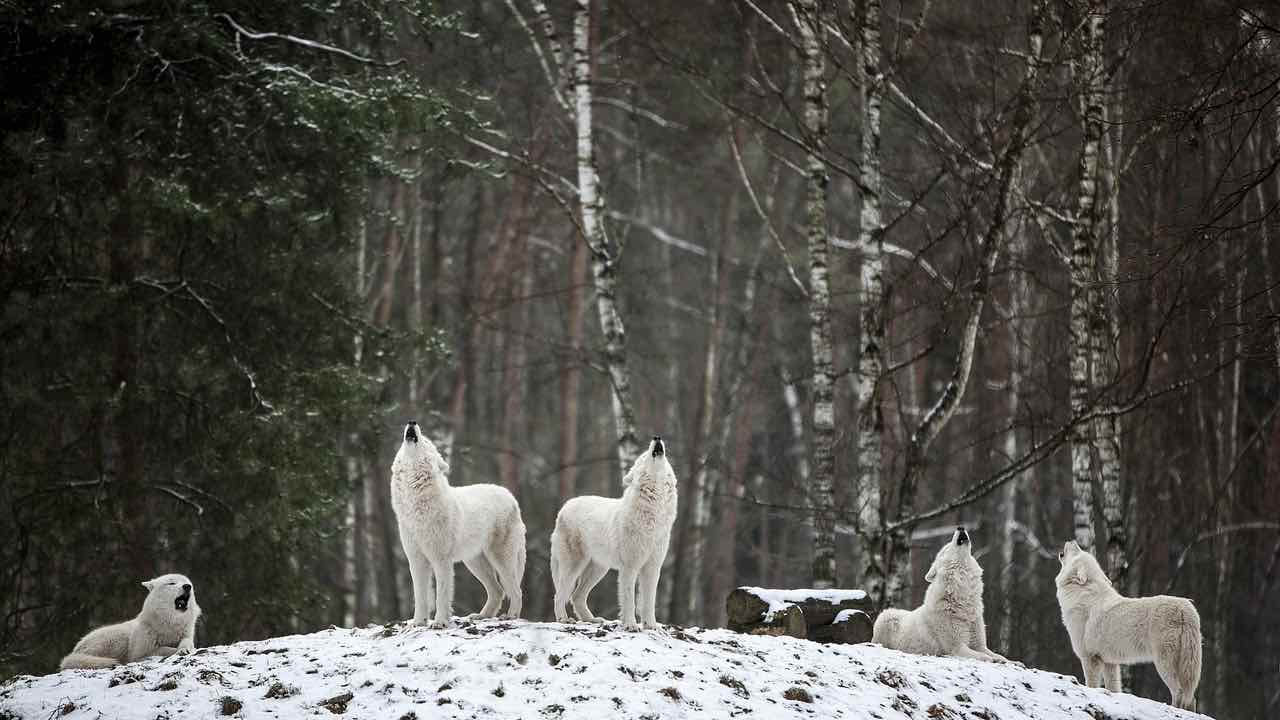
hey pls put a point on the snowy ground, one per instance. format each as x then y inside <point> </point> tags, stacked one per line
<point>497,669</point>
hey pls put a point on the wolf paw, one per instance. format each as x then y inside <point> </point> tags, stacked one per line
<point>653,626</point>
<point>435,624</point>
<point>631,627</point>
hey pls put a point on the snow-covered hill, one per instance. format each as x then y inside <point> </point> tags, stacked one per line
<point>497,669</point>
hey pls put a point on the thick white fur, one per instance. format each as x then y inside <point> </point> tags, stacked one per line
<point>1109,630</point>
<point>594,535</point>
<point>160,629</point>
<point>950,620</point>
<point>479,525</point>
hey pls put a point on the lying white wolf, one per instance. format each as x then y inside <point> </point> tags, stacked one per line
<point>166,625</point>
<point>1109,630</point>
<point>950,620</point>
<point>596,534</point>
<point>440,525</point>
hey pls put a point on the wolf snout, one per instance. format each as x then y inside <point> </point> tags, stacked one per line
<point>658,449</point>
<point>962,537</point>
<point>411,431</point>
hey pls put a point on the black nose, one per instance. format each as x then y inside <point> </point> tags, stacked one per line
<point>186,587</point>
<point>962,537</point>
<point>658,449</point>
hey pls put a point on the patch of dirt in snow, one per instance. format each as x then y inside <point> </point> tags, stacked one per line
<point>501,669</point>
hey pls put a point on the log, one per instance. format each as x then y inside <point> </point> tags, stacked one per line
<point>810,614</point>
<point>850,627</point>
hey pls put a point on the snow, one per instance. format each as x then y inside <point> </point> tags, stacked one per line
<point>504,669</point>
<point>780,600</point>
<point>846,616</point>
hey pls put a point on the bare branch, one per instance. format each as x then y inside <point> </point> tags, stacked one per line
<point>242,31</point>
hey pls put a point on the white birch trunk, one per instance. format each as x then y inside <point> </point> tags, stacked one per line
<point>1107,353</point>
<point>1085,326</point>
<point>822,387</point>
<point>603,263</point>
<point>871,352</point>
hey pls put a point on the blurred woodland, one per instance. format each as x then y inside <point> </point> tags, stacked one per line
<point>872,269</point>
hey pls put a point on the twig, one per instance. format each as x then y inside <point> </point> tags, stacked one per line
<point>764,217</point>
<point>245,32</point>
<point>542,58</point>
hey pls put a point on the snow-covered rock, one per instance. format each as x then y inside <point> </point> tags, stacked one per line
<point>498,669</point>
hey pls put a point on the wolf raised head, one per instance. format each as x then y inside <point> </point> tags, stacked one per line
<point>950,622</point>
<point>166,625</point>
<point>479,525</point>
<point>1108,630</point>
<point>594,535</point>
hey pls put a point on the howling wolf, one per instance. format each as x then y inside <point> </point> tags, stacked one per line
<point>950,620</point>
<point>440,525</point>
<point>596,534</point>
<point>166,625</point>
<point>1109,630</point>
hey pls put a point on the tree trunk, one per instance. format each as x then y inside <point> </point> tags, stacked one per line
<point>822,392</point>
<point>1020,327</point>
<point>383,535</point>
<point>603,261</point>
<point>871,352</point>
<point>1086,327</point>
<point>711,460</point>
<point>1108,352</point>
<point>800,613</point>
<point>571,373</point>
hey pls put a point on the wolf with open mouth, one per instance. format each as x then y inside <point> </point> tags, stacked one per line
<point>166,625</point>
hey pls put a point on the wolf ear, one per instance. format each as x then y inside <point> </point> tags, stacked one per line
<point>929,576</point>
<point>148,584</point>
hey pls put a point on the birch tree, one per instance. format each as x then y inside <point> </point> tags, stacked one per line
<point>809,21</point>
<point>1086,326</point>
<point>604,261</point>
<point>871,351</point>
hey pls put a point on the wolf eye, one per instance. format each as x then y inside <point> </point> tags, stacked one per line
<point>1060,554</point>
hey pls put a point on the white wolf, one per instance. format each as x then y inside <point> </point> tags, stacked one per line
<point>440,525</point>
<point>596,534</point>
<point>1109,630</point>
<point>166,625</point>
<point>950,620</point>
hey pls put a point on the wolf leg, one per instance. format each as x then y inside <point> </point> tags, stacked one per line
<point>1092,665</point>
<point>484,572</point>
<point>649,591</point>
<point>1111,676</point>
<point>443,571</point>
<point>627,597</point>
<point>588,579</point>
<point>420,573</point>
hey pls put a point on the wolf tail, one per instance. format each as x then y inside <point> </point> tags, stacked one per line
<point>88,662</point>
<point>1188,657</point>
